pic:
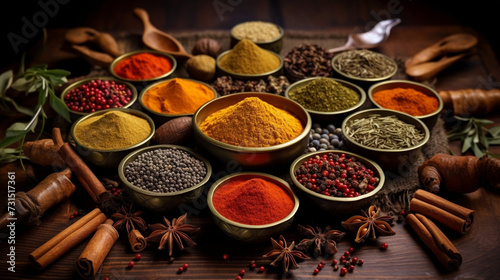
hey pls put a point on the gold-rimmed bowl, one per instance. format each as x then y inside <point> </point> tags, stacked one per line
<point>240,76</point>
<point>173,63</point>
<point>338,206</point>
<point>275,44</point>
<point>163,202</point>
<point>251,233</point>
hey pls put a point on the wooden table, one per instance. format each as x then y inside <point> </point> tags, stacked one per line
<point>406,257</point>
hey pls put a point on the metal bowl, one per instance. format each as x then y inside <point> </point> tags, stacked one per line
<point>338,206</point>
<point>429,119</point>
<point>330,117</point>
<point>173,61</point>
<point>238,76</point>
<point>275,45</point>
<point>396,160</point>
<point>162,202</point>
<point>109,158</point>
<point>161,118</point>
<point>252,158</point>
<point>251,233</point>
<point>74,115</point>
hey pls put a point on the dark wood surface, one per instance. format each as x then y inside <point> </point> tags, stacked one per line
<point>406,258</point>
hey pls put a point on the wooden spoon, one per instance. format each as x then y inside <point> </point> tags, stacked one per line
<point>427,70</point>
<point>159,40</point>
<point>105,41</point>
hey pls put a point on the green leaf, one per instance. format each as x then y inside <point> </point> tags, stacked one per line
<point>14,133</point>
<point>58,105</point>
<point>477,151</point>
<point>467,144</point>
<point>493,141</point>
<point>494,131</point>
<point>482,121</point>
<point>23,84</point>
<point>5,82</point>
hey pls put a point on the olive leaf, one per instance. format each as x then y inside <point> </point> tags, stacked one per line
<point>475,136</point>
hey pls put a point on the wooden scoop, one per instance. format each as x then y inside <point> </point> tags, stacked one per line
<point>159,40</point>
<point>82,35</point>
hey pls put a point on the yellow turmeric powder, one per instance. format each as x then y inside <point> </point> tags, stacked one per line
<point>252,123</point>
<point>248,58</point>
<point>177,96</point>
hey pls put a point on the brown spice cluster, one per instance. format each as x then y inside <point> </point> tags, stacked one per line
<point>308,60</point>
<point>226,85</point>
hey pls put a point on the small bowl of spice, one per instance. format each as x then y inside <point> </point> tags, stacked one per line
<point>143,66</point>
<point>266,35</point>
<point>252,207</point>
<point>327,100</point>
<point>160,178</point>
<point>338,182</point>
<point>416,99</point>
<point>364,67</point>
<point>306,61</point>
<point>254,130</point>
<point>390,138</point>
<point>247,61</point>
<point>105,137</point>
<point>94,94</point>
<point>177,97</point>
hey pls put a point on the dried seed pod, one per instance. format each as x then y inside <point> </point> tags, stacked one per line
<point>201,67</point>
<point>174,131</point>
<point>207,46</point>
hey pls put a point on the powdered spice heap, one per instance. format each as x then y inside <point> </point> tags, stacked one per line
<point>255,201</point>
<point>252,123</point>
<point>248,58</point>
<point>406,100</point>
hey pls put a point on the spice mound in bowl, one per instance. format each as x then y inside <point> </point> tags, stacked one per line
<point>175,97</point>
<point>143,66</point>
<point>251,206</point>
<point>307,60</point>
<point>336,181</point>
<point>266,35</point>
<point>162,177</point>
<point>248,61</point>
<point>327,99</point>
<point>409,97</point>
<point>105,137</point>
<point>95,94</point>
<point>255,130</point>
<point>391,138</point>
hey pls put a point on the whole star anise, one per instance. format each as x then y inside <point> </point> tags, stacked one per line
<point>321,240</point>
<point>166,233</point>
<point>128,219</point>
<point>285,253</point>
<point>370,225</point>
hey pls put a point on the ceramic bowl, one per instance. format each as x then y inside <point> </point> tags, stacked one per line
<point>252,158</point>
<point>238,76</point>
<point>161,118</point>
<point>74,115</point>
<point>275,45</point>
<point>330,117</point>
<point>251,233</point>
<point>429,119</point>
<point>162,202</point>
<point>338,206</point>
<point>109,158</point>
<point>172,60</point>
<point>395,160</point>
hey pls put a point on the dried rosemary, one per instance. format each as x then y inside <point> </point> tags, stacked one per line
<point>364,64</point>
<point>387,132</point>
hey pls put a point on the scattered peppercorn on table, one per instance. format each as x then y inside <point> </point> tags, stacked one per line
<point>216,256</point>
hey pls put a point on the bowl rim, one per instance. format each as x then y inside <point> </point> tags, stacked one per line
<point>281,30</point>
<point>373,90</point>
<point>277,180</point>
<point>172,59</point>
<point>305,81</point>
<point>296,163</point>
<point>103,78</point>
<point>144,90</point>
<point>345,75</point>
<point>249,76</point>
<point>305,132</point>
<point>135,153</point>
<point>126,110</point>
<point>397,113</point>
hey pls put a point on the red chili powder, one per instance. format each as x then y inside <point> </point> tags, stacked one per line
<point>142,66</point>
<point>254,201</point>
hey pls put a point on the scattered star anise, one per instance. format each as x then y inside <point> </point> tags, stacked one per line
<point>166,233</point>
<point>128,219</point>
<point>285,253</point>
<point>369,225</point>
<point>319,239</point>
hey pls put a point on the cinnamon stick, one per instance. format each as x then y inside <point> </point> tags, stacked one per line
<point>96,250</point>
<point>66,239</point>
<point>137,240</point>
<point>85,176</point>
<point>445,212</point>
<point>436,241</point>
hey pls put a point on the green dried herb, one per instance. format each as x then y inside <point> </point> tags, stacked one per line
<point>475,136</point>
<point>364,64</point>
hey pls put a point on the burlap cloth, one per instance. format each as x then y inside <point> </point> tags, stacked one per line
<point>399,186</point>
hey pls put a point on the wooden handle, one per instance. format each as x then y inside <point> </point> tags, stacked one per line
<point>96,58</point>
<point>144,16</point>
<point>108,44</point>
<point>428,70</point>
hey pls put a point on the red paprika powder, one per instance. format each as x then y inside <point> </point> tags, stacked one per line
<point>142,66</point>
<point>252,201</point>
